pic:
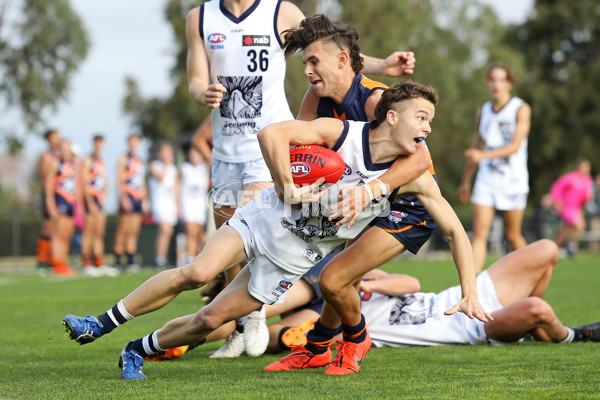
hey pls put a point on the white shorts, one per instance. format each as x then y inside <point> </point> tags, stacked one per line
<point>194,210</point>
<point>165,213</point>
<point>269,283</point>
<point>229,180</point>
<point>484,195</point>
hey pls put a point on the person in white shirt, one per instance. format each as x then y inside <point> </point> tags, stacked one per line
<point>193,191</point>
<point>500,150</point>
<point>163,199</point>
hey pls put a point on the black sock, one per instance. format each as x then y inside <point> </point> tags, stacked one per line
<point>356,333</point>
<point>130,258</point>
<point>111,323</point>
<point>320,337</point>
<point>193,346</point>
<point>239,325</point>
<point>118,259</point>
<point>145,346</point>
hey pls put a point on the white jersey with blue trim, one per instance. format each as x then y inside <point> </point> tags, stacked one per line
<point>245,55</point>
<point>296,239</point>
<point>504,175</point>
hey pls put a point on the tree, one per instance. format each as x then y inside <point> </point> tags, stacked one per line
<point>561,46</point>
<point>41,47</point>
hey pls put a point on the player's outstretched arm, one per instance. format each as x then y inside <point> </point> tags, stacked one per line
<point>275,141</point>
<point>396,64</point>
<point>428,192</point>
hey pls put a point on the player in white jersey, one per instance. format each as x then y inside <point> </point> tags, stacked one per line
<point>164,199</point>
<point>193,189</point>
<point>268,277</point>
<point>500,149</point>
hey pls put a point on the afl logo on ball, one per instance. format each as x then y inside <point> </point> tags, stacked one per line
<point>300,169</point>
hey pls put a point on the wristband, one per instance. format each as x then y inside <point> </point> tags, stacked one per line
<point>383,186</point>
<point>369,191</point>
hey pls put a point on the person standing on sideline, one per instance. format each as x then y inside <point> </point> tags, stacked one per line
<point>62,192</point>
<point>94,181</point>
<point>569,195</point>
<point>132,193</point>
<point>52,137</point>
<point>500,150</point>
<point>193,185</point>
<point>162,185</point>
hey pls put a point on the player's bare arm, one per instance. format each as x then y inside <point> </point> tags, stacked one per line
<point>289,17</point>
<point>427,191</point>
<point>49,183</point>
<point>199,85</point>
<point>396,64</point>
<point>521,132</point>
<point>202,138</point>
<point>275,141</point>
<point>389,284</point>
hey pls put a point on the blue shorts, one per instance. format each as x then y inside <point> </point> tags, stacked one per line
<point>410,229</point>
<point>95,200</point>
<point>63,206</point>
<point>312,277</point>
<point>136,206</point>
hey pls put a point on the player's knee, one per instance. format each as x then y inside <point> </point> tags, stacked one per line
<point>205,320</point>
<point>539,310</point>
<point>192,276</point>
<point>549,248</point>
<point>329,285</point>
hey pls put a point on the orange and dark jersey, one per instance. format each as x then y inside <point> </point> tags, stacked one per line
<point>65,185</point>
<point>133,178</point>
<point>353,106</point>
<point>96,182</point>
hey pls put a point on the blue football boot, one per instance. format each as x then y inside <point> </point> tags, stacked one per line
<point>131,363</point>
<point>83,330</point>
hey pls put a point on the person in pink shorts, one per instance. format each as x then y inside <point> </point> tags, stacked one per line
<point>569,194</point>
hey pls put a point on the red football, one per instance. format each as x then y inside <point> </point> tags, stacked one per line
<point>312,162</point>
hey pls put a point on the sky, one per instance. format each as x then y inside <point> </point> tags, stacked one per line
<point>132,38</point>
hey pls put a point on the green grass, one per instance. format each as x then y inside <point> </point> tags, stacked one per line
<point>37,361</point>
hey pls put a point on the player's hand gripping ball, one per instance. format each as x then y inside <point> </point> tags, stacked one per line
<point>312,162</point>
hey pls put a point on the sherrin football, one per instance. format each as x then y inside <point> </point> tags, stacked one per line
<point>312,162</point>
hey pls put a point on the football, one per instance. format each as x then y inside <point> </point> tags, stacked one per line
<point>312,162</point>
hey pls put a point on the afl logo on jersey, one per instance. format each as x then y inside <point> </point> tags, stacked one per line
<point>300,169</point>
<point>216,40</point>
<point>347,170</point>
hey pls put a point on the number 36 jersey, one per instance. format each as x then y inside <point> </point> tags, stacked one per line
<point>245,55</point>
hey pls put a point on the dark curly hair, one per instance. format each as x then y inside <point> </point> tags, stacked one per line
<point>399,92</point>
<point>321,27</point>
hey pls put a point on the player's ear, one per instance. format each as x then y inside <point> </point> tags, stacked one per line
<point>342,59</point>
<point>392,117</point>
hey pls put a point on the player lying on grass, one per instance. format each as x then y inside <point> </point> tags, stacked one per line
<point>398,315</point>
<point>278,240</point>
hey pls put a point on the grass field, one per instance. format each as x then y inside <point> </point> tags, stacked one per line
<point>37,361</point>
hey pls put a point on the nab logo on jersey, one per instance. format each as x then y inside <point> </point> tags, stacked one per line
<point>300,169</point>
<point>256,40</point>
<point>216,40</point>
